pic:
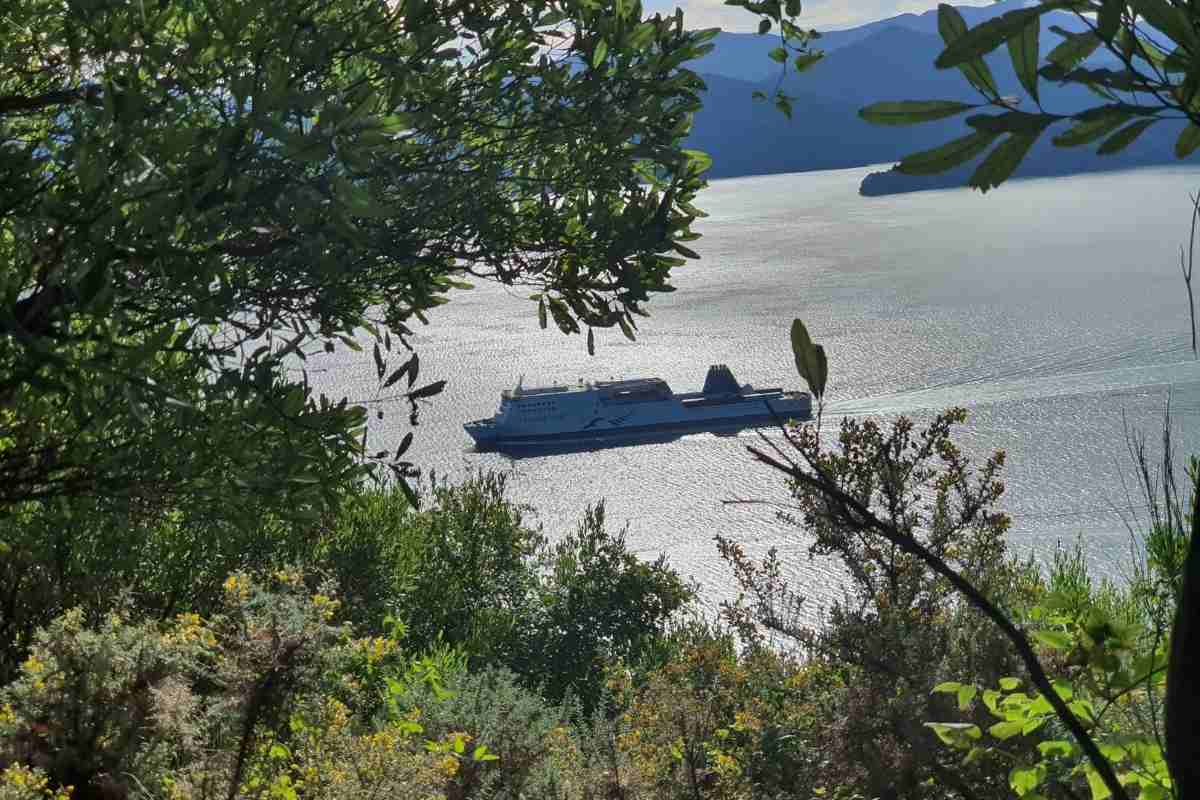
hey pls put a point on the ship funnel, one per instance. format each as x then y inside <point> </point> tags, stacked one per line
<point>720,380</point>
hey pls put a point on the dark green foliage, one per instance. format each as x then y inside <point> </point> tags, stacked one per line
<point>901,627</point>
<point>495,709</point>
<point>467,570</point>
<point>472,574</point>
<point>106,707</point>
<point>597,601</point>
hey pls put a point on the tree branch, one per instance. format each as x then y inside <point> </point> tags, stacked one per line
<point>858,515</point>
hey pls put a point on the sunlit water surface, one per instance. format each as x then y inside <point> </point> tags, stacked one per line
<point>1053,310</point>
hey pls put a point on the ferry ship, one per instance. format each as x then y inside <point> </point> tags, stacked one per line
<point>614,409</point>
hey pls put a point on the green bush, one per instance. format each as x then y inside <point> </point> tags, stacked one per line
<point>597,602</point>
<point>261,700</point>
<point>711,723</point>
<point>84,554</point>
<point>899,629</point>
<point>539,755</point>
<point>468,571</point>
<point>130,703</point>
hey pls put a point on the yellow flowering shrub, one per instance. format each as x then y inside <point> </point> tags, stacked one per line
<point>714,724</point>
<point>19,782</point>
<point>270,700</point>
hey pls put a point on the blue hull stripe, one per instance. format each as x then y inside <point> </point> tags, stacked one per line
<point>696,426</point>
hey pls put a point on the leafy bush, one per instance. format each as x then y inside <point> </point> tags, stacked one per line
<point>596,602</point>
<point>900,628</point>
<point>131,704</point>
<point>710,722</point>
<point>539,755</point>
<point>468,571</point>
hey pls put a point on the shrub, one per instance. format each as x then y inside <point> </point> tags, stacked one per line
<point>597,602</point>
<point>468,571</point>
<point>711,721</point>
<point>131,704</point>
<point>539,754</point>
<point>900,628</point>
<point>154,560</point>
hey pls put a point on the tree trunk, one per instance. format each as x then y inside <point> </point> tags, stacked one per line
<point>1183,675</point>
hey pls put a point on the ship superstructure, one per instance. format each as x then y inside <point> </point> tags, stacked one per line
<point>612,409</point>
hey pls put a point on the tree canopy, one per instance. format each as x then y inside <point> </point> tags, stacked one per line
<point>194,194</point>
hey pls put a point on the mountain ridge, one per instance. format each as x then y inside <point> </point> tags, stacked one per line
<point>886,60</point>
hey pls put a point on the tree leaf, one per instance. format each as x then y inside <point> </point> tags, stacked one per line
<point>1108,20</point>
<point>976,42</point>
<point>1002,162</point>
<point>1074,49</point>
<point>1090,130</point>
<point>698,160</point>
<point>804,61</point>
<point>1023,50</point>
<point>591,341</point>
<point>1124,137</point>
<point>955,734</point>
<point>1188,141</point>
<point>1056,640</point>
<point>429,390</point>
<point>821,363</point>
<point>1006,730</point>
<point>912,112</point>
<point>1055,748</point>
<point>953,27</point>
<point>380,366</point>
<point>1100,790</point>
<point>948,156</point>
<point>599,54</point>
<point>802,351</point>
<point>1024,780</point>
<point>1012,122</point>
<point>778,55</point>
<point>1169,19</point>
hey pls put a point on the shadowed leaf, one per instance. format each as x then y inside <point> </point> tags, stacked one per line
<point>1188,141</point>
<point>1124,137</point>
<point>1002,162</point>
<point>948,156</point>
<point>1023,49</point>
<point>953,27</point>
<point>912,112</point>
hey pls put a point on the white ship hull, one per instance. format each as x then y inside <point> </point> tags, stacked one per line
<point>632,409</point>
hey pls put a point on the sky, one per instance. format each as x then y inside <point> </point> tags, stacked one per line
<point>819,14</point>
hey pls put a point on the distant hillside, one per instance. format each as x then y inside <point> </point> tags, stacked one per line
<point>890,60</point>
